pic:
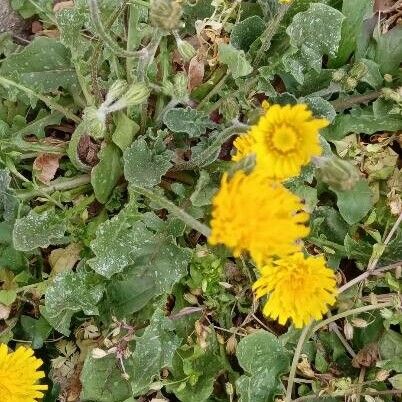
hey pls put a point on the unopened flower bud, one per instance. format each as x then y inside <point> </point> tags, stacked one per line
<point>390,94</point>
<point>98,353</point>
<point>348,330</point>
<point>180,87</point>
<point>388,77</point>
<point>337,173</point>
<point>186,49</point>
<point>382,375</point>
<point>229,389</point>
<point>116,90</point>
<point>358,71</point>
<point>338,75</point>
<point>350,83</point>
<point>94,120</point>
<point>166,14</point>
<point>135,95</point>
<point>231,345</point>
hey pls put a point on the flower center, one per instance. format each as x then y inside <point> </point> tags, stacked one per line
<point>284,139</point>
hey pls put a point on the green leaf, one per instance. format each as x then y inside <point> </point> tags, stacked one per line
<point>143,166</point>
<point>28,9</point>
<point>390,345</point>
<point>396,381</point>
<point>7,297</point>
<point>37,126</point>
<point>106,174</point>
<point>130,294</point>
<point>245,32</point>
<point>389,49</point>
<point>235,60</point>
<point>354,204</point>
<point>36,330</point>
<point>361,121</point>
<point>70,22</point>
<point>194,371</point>
<point>125,131</point>
<point>313,34</point>
<point>264,359</point>
<point>116,240</point>
<point>154,350</point>
<point>43,66</point>
<point>102,380</point>
<point>69,293</point>
<point>38,230</point>
<point>189,121</point>
<point>203,191</point>
<point>355,13</point>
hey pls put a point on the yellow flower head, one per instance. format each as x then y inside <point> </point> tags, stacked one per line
<point>286,138</point>
<point>244,145</point>
<point>298,288</point>
<point>251,213</point>
<point>19,375</point>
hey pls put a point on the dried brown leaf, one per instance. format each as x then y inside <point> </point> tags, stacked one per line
<point>45,166</point>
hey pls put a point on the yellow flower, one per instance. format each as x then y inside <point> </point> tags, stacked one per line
<point>19,375</point>
<point>298,288</point>
<point>251,213</point>
<point>244,145</point>
<point>286,138</point>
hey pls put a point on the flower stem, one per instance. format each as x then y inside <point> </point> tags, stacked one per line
<point>347,313</point>
<point>173,209</point>
<point>45,99</point>
<point>296,357</point>
<point>56,185</point>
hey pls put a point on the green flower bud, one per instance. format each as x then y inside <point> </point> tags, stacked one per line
<point>94,121</point>
<point>135,95</point>
<point>350,83</point>
<point>388,77</point>
<point>358,71</point>
<point>229,109</point>
<point>180,84</point>
<point>116,90</point>
<point>337,173</point>
<point>186,49</point>
<point>166,14</point>
<point>338,75</point>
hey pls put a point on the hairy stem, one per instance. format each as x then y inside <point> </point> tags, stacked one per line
<point>102,33</point>
<point>56,185</point>
<point>269,33</point>
<point>163,202</point>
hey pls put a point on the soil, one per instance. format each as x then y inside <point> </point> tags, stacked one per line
<point>10,21</point>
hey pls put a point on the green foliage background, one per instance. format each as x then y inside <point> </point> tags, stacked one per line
<point>120,297</point>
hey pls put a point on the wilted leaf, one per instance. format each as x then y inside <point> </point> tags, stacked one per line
<point>46,166</point>
<point>64,259</point>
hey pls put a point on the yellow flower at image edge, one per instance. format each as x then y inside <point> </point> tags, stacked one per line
<point>284,140</point>
<point>251,213</point>
<point>19,375</point>
<point>298,288</point>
